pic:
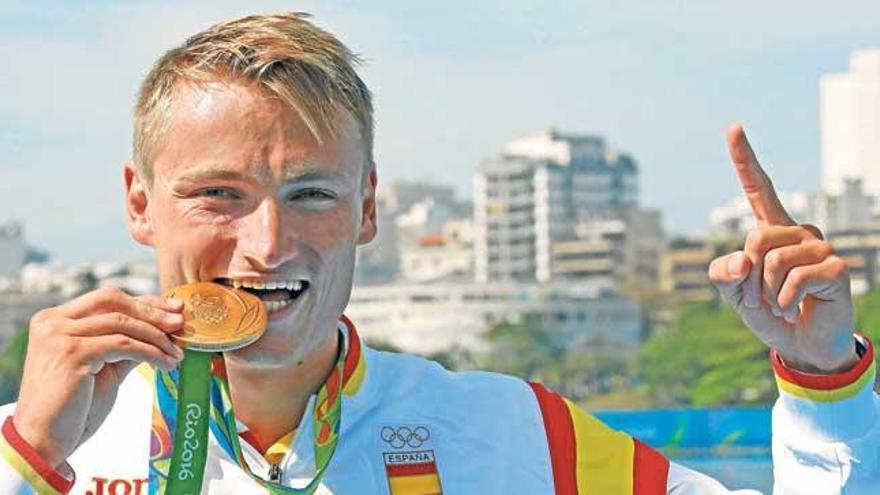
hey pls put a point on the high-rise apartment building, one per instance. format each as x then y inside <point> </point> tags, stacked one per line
<point>536,192</point>
<point>13,249</point>
<point>850,125</point>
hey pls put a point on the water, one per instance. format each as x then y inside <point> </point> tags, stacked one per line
<point>755,472</point>
<point>735,428</point>
<point>730,444</point>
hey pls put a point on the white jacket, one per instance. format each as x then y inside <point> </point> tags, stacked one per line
<point>475,433</point>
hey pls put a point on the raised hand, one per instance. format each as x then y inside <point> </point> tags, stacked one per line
<point>787,284</point>
<point>77,356</point>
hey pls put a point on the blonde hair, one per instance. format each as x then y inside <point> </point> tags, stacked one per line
<point>304,66</point>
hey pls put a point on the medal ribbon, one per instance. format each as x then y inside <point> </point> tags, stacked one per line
<point>205,402</point>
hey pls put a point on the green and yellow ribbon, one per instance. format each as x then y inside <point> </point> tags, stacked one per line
<point>195,398</point>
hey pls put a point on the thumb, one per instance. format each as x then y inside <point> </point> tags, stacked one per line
<point>728,273</point>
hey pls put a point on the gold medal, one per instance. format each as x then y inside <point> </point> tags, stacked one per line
<point>218,318</point>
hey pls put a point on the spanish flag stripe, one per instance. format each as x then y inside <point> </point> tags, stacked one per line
<point>560,439</point>
<point>604,456</point>
<point>826,395</point>
<point>825,382</point>
<point>426,484</point>
<point>650,470</point>
<point>411,469</point>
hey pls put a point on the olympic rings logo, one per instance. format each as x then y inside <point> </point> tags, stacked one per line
<point>405,436</point>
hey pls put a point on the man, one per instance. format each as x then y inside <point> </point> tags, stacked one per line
<point>253,168</point>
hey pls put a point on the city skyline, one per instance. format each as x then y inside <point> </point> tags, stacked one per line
<point>660,81</point>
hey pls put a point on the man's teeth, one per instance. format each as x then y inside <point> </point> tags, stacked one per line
<point>287,284</point>
<point>272,306</point>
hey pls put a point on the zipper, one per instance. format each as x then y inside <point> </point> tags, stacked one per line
<point>275,473</point>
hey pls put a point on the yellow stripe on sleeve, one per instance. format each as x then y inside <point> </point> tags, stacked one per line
<point>833,395</point>
<point>604,456</point>
<point>25,470</point>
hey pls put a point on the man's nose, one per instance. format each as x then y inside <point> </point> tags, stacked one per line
<point>262,237</point>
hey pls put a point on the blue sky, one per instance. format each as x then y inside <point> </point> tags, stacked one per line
<point>452,81</point>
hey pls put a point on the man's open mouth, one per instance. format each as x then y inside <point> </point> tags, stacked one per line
<point>275,294</point>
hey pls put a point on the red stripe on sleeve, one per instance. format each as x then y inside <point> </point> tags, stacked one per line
<point>560,439</point>
<point>824,382</point>
<point>650,470</point>
<point>32,457</point>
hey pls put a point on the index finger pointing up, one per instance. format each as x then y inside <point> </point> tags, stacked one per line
<point>767,208</point>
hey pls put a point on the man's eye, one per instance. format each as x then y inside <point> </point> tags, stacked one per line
<point>312,194</point>
<point>217,192</point>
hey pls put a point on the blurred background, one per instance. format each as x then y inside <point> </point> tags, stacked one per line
<point>553,184</point>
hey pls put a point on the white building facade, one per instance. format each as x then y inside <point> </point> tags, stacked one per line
<point>532,195</point>
<point>850,125</point>
<point>426,318</point>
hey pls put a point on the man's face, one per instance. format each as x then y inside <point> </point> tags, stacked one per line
<point>242,193</point>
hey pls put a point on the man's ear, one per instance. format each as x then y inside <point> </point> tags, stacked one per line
<point>137,201</point>
<point>368,217</point>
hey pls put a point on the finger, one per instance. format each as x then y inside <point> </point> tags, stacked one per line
<point>757,244</point>
<point>767,208</point>
<point>169,321</point>
<point>121,323</point>
<point>778,262</point>
<point>118,347</point>
<point>170,304</point>
<point>816,231</point>
<point>112,299</point>
<point>822,280</point>
<point>92,302</point>
<point>727,273</point>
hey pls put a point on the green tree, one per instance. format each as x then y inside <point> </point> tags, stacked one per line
<point>382,345</point>
<point>525,350</point>
<point>867,309</point>
<point>708,358</point>
<point>11,365</point>
<point>551,356</point>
